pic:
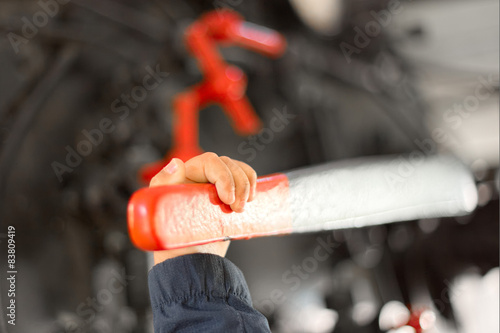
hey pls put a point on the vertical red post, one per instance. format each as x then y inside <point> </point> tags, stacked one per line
<point>223,84</point>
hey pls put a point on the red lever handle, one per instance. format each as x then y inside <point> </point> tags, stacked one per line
<point>336,195</point>
<point>168,217</point>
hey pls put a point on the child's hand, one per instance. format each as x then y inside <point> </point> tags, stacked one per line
<point>235,182</point>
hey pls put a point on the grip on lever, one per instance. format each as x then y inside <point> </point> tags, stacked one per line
<point>174,216</point>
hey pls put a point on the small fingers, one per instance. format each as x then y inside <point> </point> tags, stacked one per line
<point>252,178</point>
<point>208,167</point>
<point>242,184</point>
<point>235,181</point>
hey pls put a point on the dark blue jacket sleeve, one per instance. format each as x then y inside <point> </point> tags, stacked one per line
<point>202,293</point>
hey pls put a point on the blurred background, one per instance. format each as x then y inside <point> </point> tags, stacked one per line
<point>358,78</point>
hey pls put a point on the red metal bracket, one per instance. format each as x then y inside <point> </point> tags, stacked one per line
<point>223,84</point>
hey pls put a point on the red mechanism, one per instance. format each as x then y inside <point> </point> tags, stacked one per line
<point>223,84</point>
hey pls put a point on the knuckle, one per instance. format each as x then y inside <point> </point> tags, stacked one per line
<point>210,155</point>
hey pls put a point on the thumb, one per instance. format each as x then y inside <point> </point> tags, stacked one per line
<point>173,173</point>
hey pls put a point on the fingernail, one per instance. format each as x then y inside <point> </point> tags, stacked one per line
<point>171,167</point>
<point>241,206</point>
